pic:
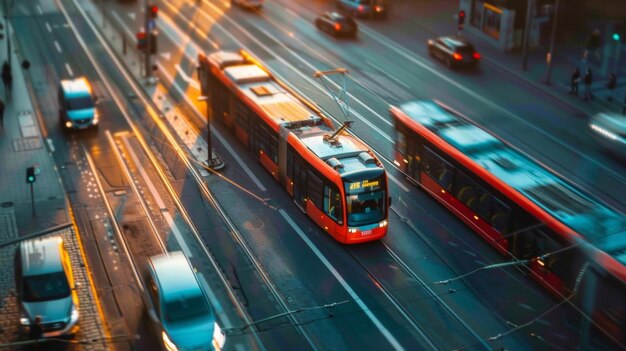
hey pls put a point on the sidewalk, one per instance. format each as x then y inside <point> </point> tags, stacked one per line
<point>567,55</point>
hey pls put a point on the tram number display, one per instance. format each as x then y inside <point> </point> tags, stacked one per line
<point>364,184</point>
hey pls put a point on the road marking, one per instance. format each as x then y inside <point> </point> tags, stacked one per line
<point>69,69</point>
<point>56,44</point>
<point>406,190</point>
<point>144,175</point>
<point>357,299</point>
<point>119,20</point>
<point>39,9</point>
<point>132,15</point>
<point>50,144</point>
<point>166,55</point>
<point>48,27</point>
<point>187,78</point>
<point>388,75</point>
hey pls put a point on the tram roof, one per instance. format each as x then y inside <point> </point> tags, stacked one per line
<point>603,226</point>
<point>286,109</point>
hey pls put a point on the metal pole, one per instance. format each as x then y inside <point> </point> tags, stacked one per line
<point>530,4</point>
<point>617,53</point>
<point>551,52</point>
<point>146,51</point>
<point>32,198</point>
<point>209,160</point>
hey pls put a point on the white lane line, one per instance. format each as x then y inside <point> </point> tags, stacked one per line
<point>177,234</point>
<point>163,70</point>
<point>385,74</point>
<point>50,144</point>
<point>144,175</point>
<point>119,20</point>
<point>69,69</point>
<point>395,180</point>
<point>56,44</point>
<point>392,340</point>
<point>187,78</point>
<point>38,7</point>
<point>48,27</point>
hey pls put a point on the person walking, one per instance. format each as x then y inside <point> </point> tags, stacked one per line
<point>575,80</point>
<point>2,113</point>
<point>7,78</point>
<point>611,84</point>
<point>588,79</point>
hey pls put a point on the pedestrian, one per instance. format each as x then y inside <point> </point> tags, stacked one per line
<point>588,79</point>
<point>611,84</point>
<point>36,331</point>
<point>574,82</point>
<point>1,113</point>
<point>7,78</point>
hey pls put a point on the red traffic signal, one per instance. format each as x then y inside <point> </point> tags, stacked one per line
<point>142,40</point>
<point>153,10</point>
<point>461,17</point>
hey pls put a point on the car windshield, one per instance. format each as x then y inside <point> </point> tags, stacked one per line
<point>186,308</point>
<point>366,201</point>
<point>80,103</point>
<point>45,287</point>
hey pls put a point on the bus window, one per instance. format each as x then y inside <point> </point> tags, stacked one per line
<point>440,170</point>
<point>332,203</point>
<point>465,189</point>
<point>315,187</point>
<point>500,215</point>
<point>268,142</point>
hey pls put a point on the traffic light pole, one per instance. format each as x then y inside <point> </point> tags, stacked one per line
<point>146,51</point>
<point>32,198</point>
<point>550,55</point>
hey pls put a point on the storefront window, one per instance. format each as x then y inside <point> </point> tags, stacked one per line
<point>477,14</point>
<point>491,25</point>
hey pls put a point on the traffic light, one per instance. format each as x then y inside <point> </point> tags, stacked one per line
<point>142,41</point>
<point>153,11</point>
<point>30,175</point>
<point>617,32</point>
<point>461,18</point>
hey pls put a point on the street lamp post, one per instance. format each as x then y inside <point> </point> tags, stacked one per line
<point>213,161</point>
<point>550,54</point>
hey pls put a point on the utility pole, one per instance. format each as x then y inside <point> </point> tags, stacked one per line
<point>550,54</point>
<point>213,161</point>
<point>8,5</point>
<point>530,6</point>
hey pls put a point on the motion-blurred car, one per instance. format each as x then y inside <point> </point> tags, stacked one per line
<point>364,8</point>
<point>336,24</point>
<point>178,306</point>
<point>249,4</point>
<point>610,130</point>
<point>454,51</point>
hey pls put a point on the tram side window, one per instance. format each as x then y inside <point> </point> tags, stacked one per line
<point>333,204</point>
<point>401,142</point>
<point>315,188</point>
<point>268,142</point>
<point>242,115</point>
<point>611,299</point>
<point>439,169</point>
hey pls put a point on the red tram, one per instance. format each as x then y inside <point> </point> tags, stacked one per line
<point>331,175</point>
<point>520,207</point>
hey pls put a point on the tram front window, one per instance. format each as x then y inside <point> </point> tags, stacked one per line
<point>366,202</point>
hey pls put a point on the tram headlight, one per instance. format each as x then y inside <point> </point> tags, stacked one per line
<point>352,230</point>
<point>382,224</point>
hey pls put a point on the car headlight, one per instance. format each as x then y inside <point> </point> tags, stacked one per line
<point>169,345</point>
<point>25,321</point>
<point>96,117</point>
<point>68,124</point>
<point>74,316</point>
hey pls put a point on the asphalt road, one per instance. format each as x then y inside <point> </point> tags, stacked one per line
<point>385,292</point>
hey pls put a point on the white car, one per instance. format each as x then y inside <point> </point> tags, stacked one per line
<point>250,4</point>
<point>178,306</point>
<point>610,130</point>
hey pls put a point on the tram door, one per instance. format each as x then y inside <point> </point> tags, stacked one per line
<point>299,183</point>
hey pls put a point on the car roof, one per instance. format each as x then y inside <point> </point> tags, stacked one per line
<point>76,87</point>
<point>455,41</point>
<point>336,15</point>
<point>174,275</point>
<point>41,256</point>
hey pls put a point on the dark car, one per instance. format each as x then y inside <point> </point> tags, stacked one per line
<point>336,24</point>
<point>454,51</point>
<point>364,8</point>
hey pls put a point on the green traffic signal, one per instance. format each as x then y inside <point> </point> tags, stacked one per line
<point>616,36</point>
